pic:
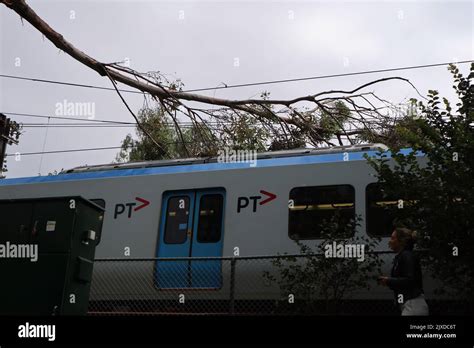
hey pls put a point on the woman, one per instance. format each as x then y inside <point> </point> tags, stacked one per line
<point>406,279</point>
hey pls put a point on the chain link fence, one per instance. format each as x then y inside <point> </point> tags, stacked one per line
<point>235,286</point>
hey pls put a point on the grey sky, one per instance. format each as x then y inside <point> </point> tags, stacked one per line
<point>272,40</point>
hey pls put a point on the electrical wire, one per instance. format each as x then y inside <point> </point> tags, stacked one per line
<point>251,84</point>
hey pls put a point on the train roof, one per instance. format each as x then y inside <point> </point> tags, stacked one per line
<point>193,165</point>
<point>203,160</point>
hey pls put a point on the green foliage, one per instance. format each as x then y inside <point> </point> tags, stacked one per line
<point>440,191</point>
<point>230,129</point>
<point>395,134</point>
<point>320,284</point>
<point>242,132</point>
<point>15,132</point>
<point>192,141</point>
<point>332,118</point>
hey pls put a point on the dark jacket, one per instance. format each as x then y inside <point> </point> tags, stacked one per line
<point>406,278</point>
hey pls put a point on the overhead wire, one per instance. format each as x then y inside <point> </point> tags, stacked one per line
<point>250,84</point>
<point>126,124</point>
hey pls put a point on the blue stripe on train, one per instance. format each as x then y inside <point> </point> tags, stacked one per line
<point>261,163</point>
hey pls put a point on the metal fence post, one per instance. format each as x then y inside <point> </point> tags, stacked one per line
<point>232,286</point>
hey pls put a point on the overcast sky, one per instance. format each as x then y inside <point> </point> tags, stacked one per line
<point>201,41</point>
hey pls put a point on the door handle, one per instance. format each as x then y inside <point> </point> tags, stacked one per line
<point>34,231</point>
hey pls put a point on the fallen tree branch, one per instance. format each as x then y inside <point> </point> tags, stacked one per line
<point>261,109</point>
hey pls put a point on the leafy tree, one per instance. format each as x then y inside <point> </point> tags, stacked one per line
<point>394,132</point>
<point>319,126</point>
<point>14,136</point>
<point>320,284</point>
<point>191,141</point>
<point>232,129</point>
<point>332,118</point>
<point>239,131</point>
<point>439,191</point>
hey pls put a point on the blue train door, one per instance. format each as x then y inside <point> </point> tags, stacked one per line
<point>191,226</point>
<point>207,239</point>
<point>175,239</point>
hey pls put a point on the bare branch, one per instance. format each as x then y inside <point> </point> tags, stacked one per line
<point>171,97</point>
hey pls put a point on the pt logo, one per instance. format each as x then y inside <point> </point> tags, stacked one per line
<point>120,208</point>
<point>243,202</point>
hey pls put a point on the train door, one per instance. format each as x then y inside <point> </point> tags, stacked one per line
<point>207,239</point>
<point>191,226</point>
<point>175,239</point>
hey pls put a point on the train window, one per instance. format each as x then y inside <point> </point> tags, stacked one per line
<point>177,216</point>
<point>381,211</point>
<point>309,207</point>
<point>210,218</point>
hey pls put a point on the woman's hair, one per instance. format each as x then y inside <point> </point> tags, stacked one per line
<point>406,237</point>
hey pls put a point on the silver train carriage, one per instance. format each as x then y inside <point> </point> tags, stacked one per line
<point>209,208</point>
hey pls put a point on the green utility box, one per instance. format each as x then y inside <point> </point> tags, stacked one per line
<point>47,249</point>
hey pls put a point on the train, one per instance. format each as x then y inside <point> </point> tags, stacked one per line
<point>212,208</point>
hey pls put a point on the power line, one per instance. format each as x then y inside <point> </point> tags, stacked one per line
<point>74,125</point>
<point>63,151</point>
<point>65,83</point>
<point>330,76</point>
<point>105,122</point>
<point>95,149</point>
<point>53,125</point>
<point>81,125</point>
<point>90,149</point>
<point>245,84</point>
<point>66,118</point>
<point>97,120</point>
